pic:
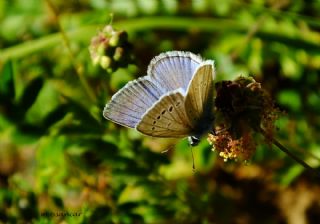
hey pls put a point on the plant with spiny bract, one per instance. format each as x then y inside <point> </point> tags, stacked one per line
<point>243,108</point>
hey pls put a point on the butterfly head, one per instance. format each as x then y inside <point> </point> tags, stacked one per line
<point>193,140</point>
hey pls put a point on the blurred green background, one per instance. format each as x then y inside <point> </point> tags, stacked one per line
<point>58,154</point>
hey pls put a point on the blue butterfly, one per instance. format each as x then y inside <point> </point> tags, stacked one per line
<point>175,98</point>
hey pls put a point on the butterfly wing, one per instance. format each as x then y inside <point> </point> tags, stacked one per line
<point>167,117</point>
<point>129,104</point>
<point>173,70</point>
<point>156,104</point>
<point>199,98</point>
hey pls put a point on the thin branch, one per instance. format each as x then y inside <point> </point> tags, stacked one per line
<point>289,153</point>
<point>78,68</point>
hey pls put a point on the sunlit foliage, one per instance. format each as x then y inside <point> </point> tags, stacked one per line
<point>58,154</point>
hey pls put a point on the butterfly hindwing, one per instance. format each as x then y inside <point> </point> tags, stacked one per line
<point>167,117</point>
<point>129,104</point>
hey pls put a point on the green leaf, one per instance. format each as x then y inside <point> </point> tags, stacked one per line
<point>56,115</point>
<point>291,174</point>
<point>82,122</point>
<point>290,99</point>
<point>30,94</point>
<point>7,81</point>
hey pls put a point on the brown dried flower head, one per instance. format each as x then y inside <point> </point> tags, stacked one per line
<point>243,108</point>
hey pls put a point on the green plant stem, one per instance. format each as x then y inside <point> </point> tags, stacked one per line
<point>289,153</point>
<point>202,24</point>
<point>78,68</point>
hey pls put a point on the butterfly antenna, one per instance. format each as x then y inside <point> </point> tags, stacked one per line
<point>193,166</point>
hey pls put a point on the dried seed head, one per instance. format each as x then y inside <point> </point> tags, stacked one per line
<point>242,108</point>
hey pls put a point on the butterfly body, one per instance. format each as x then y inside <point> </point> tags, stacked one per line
<point>174,100</point>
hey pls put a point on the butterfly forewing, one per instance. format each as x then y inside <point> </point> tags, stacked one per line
<point>199,99</point>
<point>129,104</point>
<point>173,70</point>
<point>167,117</point>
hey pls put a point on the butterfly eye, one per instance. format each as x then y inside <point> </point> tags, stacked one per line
<point>154,122</point>
<point>170,109</point>
<point>163,112</point>
<point>153,128</point>
<point>158,117</point>
<point>177,104</point>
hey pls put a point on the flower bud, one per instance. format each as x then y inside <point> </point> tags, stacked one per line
<point>118,54</point>
<point>105,62</point>
<point>110,49</point>
<point>114,40</point>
